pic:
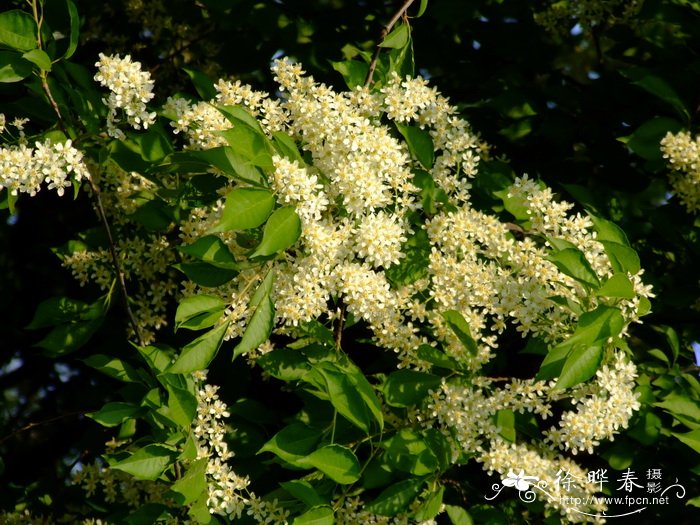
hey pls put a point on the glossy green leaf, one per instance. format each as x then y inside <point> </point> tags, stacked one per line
<point>409,452</point>
<point>645,141</point>
<point>322,515</point>
<point>192,484</point>
<point>398,38</point>
<point>285,146</point>
<point>618,286</point>
<point>113,367</point>
<point>658,87</point>
<point>205,274</point>
<point>431,506</point>
<point>436,357</point>
<point>202,83</point>
<point>460,327</point>
<point>39,58</point>
<point>293,443</point>
<point>420,144</point>
<point>249,144</point>
<point>245,208</point>
<point>458,516</point>
<point>580,365</point>
<point>354,72</point>
<point>212,250</point>
<point>285,364</point>
<point>395,498</point>
<point>573,262</point>
<point>74,29</point>
<point>146,463</point>
<point>18,30</point>
<point>259,327</point>
<point>113,414</point>
<point>304,492</point>
<point>622,258</point>
<point>182,406</point>
<point>407,388</point>
<point>421,9</point>
<point>199,353</point>
<point>231,164</point>
<point>335,461</point>
<point>199,311</point>
<point>282,230</point>
<point>692,439</point>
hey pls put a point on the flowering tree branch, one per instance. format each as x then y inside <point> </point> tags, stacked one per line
<point>385,31</point>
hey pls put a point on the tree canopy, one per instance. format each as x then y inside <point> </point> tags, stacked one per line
<point>349,262</point>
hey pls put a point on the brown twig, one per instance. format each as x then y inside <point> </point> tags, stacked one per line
<point>29,426</point>
<point>115,258</point>
<point>338,329</point>
<point>385,31</point>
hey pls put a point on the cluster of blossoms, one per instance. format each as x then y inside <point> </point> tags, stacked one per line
<point>355,199</point>
<point>228,494</point>
<point>359,203</point>
<point>130,90</point>
<point>683,153</point>
<point>24,169</point>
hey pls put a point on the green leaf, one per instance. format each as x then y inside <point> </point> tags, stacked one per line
<point>409,452</point>
<point>74,29</point>
<point>593,329</point>
<point>259,327</point>
<point>231,164</point>
<point>212,250</point>
<point>458,516</point>
<point>60,310</point>
<point>420,143</point>
<point>39,58</point>
<point>199,311</point>
<point>18,30</point>
<point>250,144</point>
<point>67,338</point>
<point>398,38</point>
<point>646,139</point>
<point>182,406</point>
<point>573,262</point>
<point>335,461</point>
<point>205,274</point>
<point>158,357</point>
<point>608,231</point>
<point>618,285</point>
<point>622,258</point>
<point>199,353</point>
<point>692,439</point>
<point>437,357</point>
<point>282,230</point>
<point>304,492</point>
<point>683,408</point>
<point>285,146</point>
<point>153,144</point>
<point>113,414</point>
<point>245,208</point>
<point>407,388</point>
<point>293,443</point>
<point>147,463</point>
<point>431,506</point>
<point>113,367</point>
<point>505,421</point>
<point>422,8</point>
<point>348,391</point>
<point>354,72</point>
<point>238,115</point>
<point>395,498</point>
<point>285,364</point>
<point>460,327</point>
<point>317,516</point>
<point>190,487</point>
<point>202,83</point>
<point>658,87</point>
<point>580,365</point>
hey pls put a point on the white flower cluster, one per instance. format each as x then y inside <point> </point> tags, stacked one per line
<point>683,153</point>
<point>130,90</point>
<point>601,414</point>
<point>228,493</point>
<point>24,169</point>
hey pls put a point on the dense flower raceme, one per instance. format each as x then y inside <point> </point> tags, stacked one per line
<point>683,154</point>
<point>359,205</point>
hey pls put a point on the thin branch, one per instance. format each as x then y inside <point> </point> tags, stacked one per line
<point>338,329</point>
<point>29,426</point>
<point>385,31</point>
<point>115,259</point>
